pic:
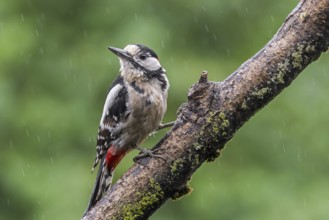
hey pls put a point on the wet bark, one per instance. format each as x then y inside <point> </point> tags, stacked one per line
<point>214,112</point>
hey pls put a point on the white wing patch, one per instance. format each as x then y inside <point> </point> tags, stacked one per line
<point>109,101</point>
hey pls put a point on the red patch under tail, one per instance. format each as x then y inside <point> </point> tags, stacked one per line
<point>113,158</point>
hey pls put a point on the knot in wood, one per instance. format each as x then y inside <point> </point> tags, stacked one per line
<point>204,77</point>
<point>199,89</point>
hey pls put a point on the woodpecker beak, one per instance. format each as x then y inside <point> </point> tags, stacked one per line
<point>120,53</point>
<point>124,55</point>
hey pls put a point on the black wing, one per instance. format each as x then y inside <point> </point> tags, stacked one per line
<point>114,112</point>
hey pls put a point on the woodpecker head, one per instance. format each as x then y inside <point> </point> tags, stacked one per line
<point>138,61</point>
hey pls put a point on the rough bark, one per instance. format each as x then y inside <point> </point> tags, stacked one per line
<point>214,112</point>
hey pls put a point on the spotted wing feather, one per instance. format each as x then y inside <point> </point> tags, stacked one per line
<point>114,110</point>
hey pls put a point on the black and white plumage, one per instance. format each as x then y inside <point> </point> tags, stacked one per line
<point>134,107</point>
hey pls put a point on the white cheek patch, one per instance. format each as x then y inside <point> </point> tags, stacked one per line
<point>151,63</point>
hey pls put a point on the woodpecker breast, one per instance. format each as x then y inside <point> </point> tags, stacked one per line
<point>146,106</point>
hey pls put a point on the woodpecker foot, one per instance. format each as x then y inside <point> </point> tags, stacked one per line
<point>166,125</point>
<point>147,153</point>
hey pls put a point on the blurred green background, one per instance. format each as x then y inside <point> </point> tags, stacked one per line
<point>54,73</point>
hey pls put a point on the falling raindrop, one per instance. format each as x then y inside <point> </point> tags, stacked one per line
<point>71,63</point>
<point>27,132</point>
<point>228,52</point>
<point>77,202</point>
<point>212,186</point>
<point>38,137</point>
<point>324,73</point>
<point>110,61</point>
<point>206,28</point>
<point>214,36</point>
<point>136,16</point>
<point>52,160</point>
<point>280,134</point>
<point>89,86</point>
<point>299,158</point>
<point>162,43</point>
<point>37,32</point>
<point>313,82</point>
<point>41,51</point>
<point>11,145</point>
<point>22,18</point>
<point>23,172</point>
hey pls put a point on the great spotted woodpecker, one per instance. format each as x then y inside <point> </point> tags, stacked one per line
<point>134,107</point>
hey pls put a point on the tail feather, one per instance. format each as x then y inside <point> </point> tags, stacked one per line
<point>96,193</point>
<point>104,175</point>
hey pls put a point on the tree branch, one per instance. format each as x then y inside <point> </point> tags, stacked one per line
<point>214,112</point>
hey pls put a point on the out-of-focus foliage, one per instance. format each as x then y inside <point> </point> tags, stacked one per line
<point>54,73</point>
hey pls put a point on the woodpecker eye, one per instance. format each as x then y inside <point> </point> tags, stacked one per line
<point>142,57</point>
